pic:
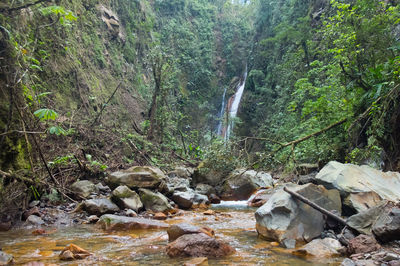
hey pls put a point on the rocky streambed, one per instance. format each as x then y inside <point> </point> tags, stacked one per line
<point>143,216</point>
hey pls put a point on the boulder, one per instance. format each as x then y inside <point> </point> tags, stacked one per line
<point>205,189</point>
<point>362,244</point>
<point>137,177</point>
<point>115,222</point>
<point>327,247</point>
<point>260,198</point>
<point>126,198</point>
<point>363,221</point>
<point>207,176</point>
<point>181,229</point>
<point>83,188</point>
<point>73,252</point>
<point>186,199</point>
<point>99,206</point>
<point>154,201</point>
<point>386,227</point>
<point>348,178</point>
<point>34,220</point>
<point>198,245</point>
<point>178,184</point>
<point>292,222</point>
<point>5,259</point>
<point>214,199</point>
<point>361,201</point>
<point>241,184</point>
<point>32,211</point>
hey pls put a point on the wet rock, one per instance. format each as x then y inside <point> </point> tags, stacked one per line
<point>34,220</point>
<point>126,198</point>
<point>363,221</point>
<point>205,189</point>
<point>241,184</point>
<point>83,188</point>
<point>5,226</point>
<point>183,199</point>
<point>115,222</point>
<point>73,252</point>
<point>5,259</point>
<point>93,219</point>
<point>209,212</point>
<point>160,216</point>
<point>198,245</point>
<point>362,244</point>
<point>260,198</point>
<point>386,227</point>
<point>154,201</point>
<point>347,262</point>
<point>327,247</point>
<point>390,256</point>
<point>287,220</point>
<point>361,201</point>
<point>177,230</point>
<point>214,199</point>
<point>131,213</point>
<point>99,206</point>
<point>349,178</point>
<point>202,261</point>
<point>39,232</point>
<point>102,188</point>
<point>33,211</point>
<point>137,177</point>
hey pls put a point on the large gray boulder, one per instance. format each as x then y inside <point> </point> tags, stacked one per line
<point>115,222</point>
<point>364,220</point>
<point>386,227</point>
<point>292,222</point>
<point>241,184</point>
<point>348,178</point>
<point>126,198</point>
<point>83,188</point>
<point>137,177</point>
<point>154,201</point>
<point>99,206</point>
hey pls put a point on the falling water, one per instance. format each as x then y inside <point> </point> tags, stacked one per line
<point>221,113</point>
<point>233,105</point>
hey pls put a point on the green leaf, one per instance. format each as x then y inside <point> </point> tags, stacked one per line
<point>57,130</point>
<point>46,114</point>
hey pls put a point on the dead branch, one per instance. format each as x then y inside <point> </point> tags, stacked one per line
<point>140,152</point>
<point>5,174</point>
<point>104,105</point>
<point>21,131</point>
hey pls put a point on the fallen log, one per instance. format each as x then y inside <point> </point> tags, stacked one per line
<point>316,207</point>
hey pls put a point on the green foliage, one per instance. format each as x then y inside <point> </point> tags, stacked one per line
<point>65,16</point>
<point>46,114</point>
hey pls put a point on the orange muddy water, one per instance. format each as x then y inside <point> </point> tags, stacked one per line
<point>147,247</point>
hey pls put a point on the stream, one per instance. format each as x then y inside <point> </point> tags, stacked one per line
<point>233,222</point>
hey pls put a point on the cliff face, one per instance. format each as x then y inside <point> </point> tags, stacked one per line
<point>79,77</point>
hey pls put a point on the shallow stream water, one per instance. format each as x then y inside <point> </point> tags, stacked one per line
<point>233,222</point>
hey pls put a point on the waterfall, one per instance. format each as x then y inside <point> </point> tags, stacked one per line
<point>221,113</point>
<point>233,106</point>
